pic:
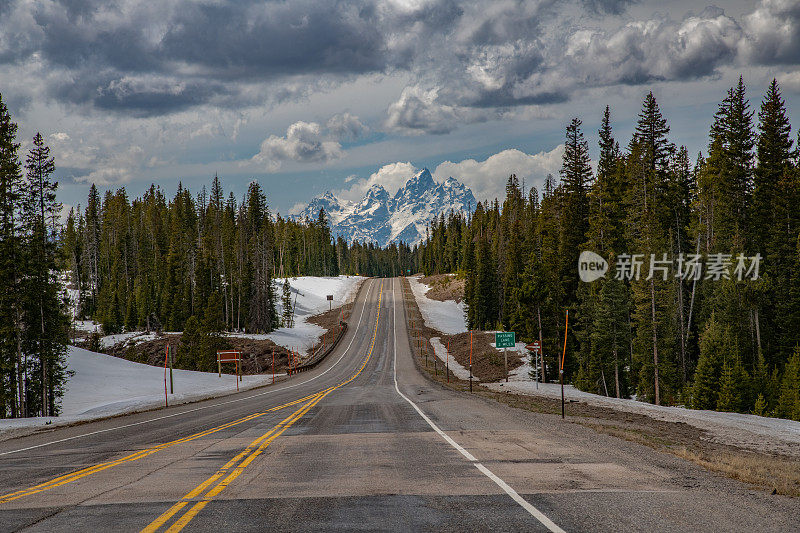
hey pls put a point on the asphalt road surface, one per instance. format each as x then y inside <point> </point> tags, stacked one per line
<point>364,442</point>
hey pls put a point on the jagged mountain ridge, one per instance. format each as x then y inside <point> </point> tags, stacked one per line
<point>383,219</point>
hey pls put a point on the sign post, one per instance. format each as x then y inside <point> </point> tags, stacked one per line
<point>230,356</point>
<point>505,340</point>
<point>330,302</point>
<point>448,361</point>
<point>536,348</point>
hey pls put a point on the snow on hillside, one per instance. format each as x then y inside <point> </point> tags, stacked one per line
<point>455,367</point>
<point>103,385</point>
<point>309,297</point>
<point>448,317</point>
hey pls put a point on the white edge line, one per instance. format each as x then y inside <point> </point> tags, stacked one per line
<point>270,391</point>
<point>536,513</point>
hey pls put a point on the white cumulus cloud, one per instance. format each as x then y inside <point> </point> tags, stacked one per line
<point>487,178</point>
<point>303,143</point>
<point>391,177</point>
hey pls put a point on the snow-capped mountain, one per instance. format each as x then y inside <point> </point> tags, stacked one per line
<point>381,218</point>
<point>334,208</point>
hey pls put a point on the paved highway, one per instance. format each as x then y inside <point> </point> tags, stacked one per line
<point>364,442</point>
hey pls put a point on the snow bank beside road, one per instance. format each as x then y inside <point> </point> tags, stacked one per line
<point>104,386</point>
<point>447,317</point>
<point>455,368</point>
<point>748,431</point>
<point>311,293</point>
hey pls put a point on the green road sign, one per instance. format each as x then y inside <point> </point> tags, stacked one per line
<point>505,339</point>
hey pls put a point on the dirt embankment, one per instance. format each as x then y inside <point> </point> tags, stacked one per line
<point>444,287</point>
<point>329,321</point>
<point>256,354</point>
<point>487,362</point>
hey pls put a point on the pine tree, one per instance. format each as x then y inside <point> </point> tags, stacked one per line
<point>789,401</point>
<point>92,249</point>
<point>773,152</point>
<point>286,303</point>
<point>651,133</point>
<point>733,384</point>
<point>211,339</point>
<point>13,400</point>
<point>189,348</point>
<point>45,337</point>
<point>760,407</point>
<point>715,350</point>
<point>649,222</point>
<point>775,226</point>
<point>576,174</point>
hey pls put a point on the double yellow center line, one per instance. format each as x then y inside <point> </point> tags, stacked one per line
<point>246,456</point>
<point>74,476</point>
<point>233,468</point>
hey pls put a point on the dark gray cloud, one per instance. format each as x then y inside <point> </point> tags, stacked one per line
<point>139,95</point>
<point>607,7</point>
<point>345,127</point>
<point>773,33</point>
<point>269,40</point>
<point>465,61</point>
<point>642,52</point>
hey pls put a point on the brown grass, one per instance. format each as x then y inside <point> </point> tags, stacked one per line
<point>444,287</point>
<point>781,474</point>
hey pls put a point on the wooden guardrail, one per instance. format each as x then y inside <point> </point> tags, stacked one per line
<point>322,352</point>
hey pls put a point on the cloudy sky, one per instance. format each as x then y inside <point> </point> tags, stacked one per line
<point>306,96</point>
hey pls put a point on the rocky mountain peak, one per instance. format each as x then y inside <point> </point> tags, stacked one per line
<point>378,217</point>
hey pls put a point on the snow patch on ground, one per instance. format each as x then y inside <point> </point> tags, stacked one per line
<point>104,386</point>
<point>448,317</point>
<point>131,338</point>
<point>89,326</point>
<point>310,293</point>
<point>441,352</point>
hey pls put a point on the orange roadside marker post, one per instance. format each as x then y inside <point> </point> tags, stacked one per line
<point>166,356</point>
<point>563,356</point>
<point>448,361</point>
<point>273,365</point>
<point>470,360</point>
